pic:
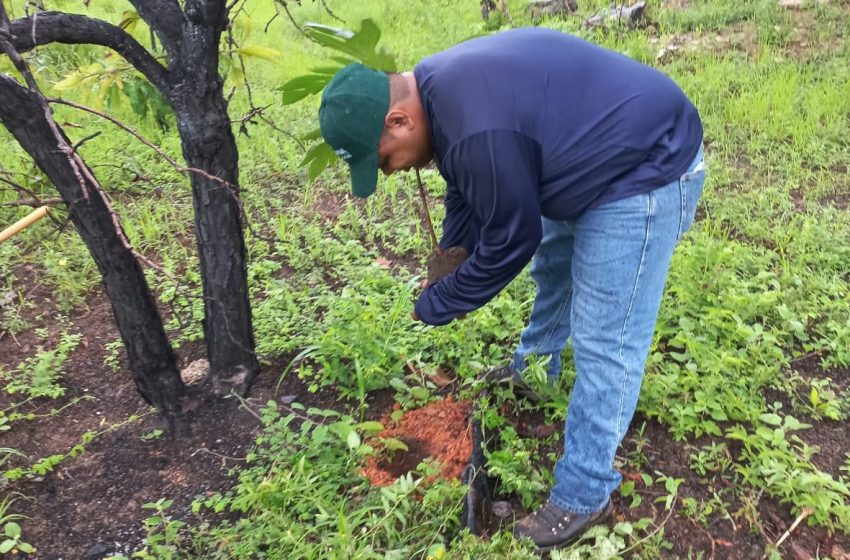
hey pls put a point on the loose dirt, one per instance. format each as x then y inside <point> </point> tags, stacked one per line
<point>439,430</point>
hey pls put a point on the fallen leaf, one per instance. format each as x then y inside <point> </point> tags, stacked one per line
<point>629,475</point>
<point>383,263</point>
<point>441,378</point>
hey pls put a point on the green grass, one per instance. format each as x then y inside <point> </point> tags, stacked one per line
<point>762,279</point>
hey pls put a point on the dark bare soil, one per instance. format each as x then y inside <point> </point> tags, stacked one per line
<point>91,506</point>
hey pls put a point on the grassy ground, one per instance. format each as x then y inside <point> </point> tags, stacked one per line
<point>742,424</point>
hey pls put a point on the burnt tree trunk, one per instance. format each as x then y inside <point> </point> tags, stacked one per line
<point>151,358</point>
<point>227,310</point>
<point>197,97</point>
<point>190,35</point>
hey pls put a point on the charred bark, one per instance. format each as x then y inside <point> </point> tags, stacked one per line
<point>151,358</point>
<point>197,97</point>
<point>194,89</point>
<point>208,144</point>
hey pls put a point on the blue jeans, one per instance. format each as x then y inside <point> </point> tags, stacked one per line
<point>600,278</point>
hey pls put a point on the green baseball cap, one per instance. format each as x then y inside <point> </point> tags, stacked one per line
<point>351,117</point>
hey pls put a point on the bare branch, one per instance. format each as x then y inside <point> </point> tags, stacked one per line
<point>269,23</point>
<point>285,7</point>
<point>18,187</point>
<point>205,450</point>
<point>24,34</point>
<point>34,202</point>
<point>82,141</point>
<point>435,245</point>
<point>146,142</point>
<point>8,47</point>
<point>179,168</point>
<point>333,15</point>
<point>269,122</point>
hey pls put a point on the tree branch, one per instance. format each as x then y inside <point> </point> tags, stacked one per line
<point>57,27</point>
<point>19,188</point>
<point>179,168</point>
<point>35,203</point>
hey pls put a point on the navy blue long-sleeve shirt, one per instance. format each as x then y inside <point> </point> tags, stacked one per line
<point>530,123</point>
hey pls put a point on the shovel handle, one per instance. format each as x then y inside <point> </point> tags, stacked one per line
<point>23,223</point>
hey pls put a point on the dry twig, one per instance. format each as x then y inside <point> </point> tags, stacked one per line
<point>427,214</point>
<point>806,511</point>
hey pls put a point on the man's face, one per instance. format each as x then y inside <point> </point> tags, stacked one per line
<point>404,144</point>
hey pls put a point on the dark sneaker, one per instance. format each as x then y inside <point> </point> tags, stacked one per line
<point>551,527</point>
<point>504,377</point>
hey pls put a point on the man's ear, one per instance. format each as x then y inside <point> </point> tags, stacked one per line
<point>398,118</point>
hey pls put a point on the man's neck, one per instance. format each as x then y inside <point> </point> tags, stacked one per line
<point>411,83</point>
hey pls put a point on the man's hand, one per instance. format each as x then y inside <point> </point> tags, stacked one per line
<point>414,316</point>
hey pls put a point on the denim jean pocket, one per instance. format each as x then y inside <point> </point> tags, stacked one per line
<point>690,189</point>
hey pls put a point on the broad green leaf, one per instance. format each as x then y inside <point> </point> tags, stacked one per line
<point>312,153</point>
<point>361,46</point>
<point>7,545</point>
<point>236,76</point>
<point>326,70</point>
<point>343,60</point>
<point>353,440</point>
<point>302,86</point>
<point>12,530</point>
<point>436,552</point>
<point>370,426</point>
<point>718,414</point>
<point>91,73</point>
<point>257,51</point>
<point>367,38</point>
<point>317,166</point>
<point>134,92</point>
<point>793,424</point>
<point>317,159</point>
<point>113,99</point>
<point>772,419</point>
<point>129,20</point>
<point>393,444</point>
<point>312,135</point>
<point>624,528</point>
<point>69,82</point>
